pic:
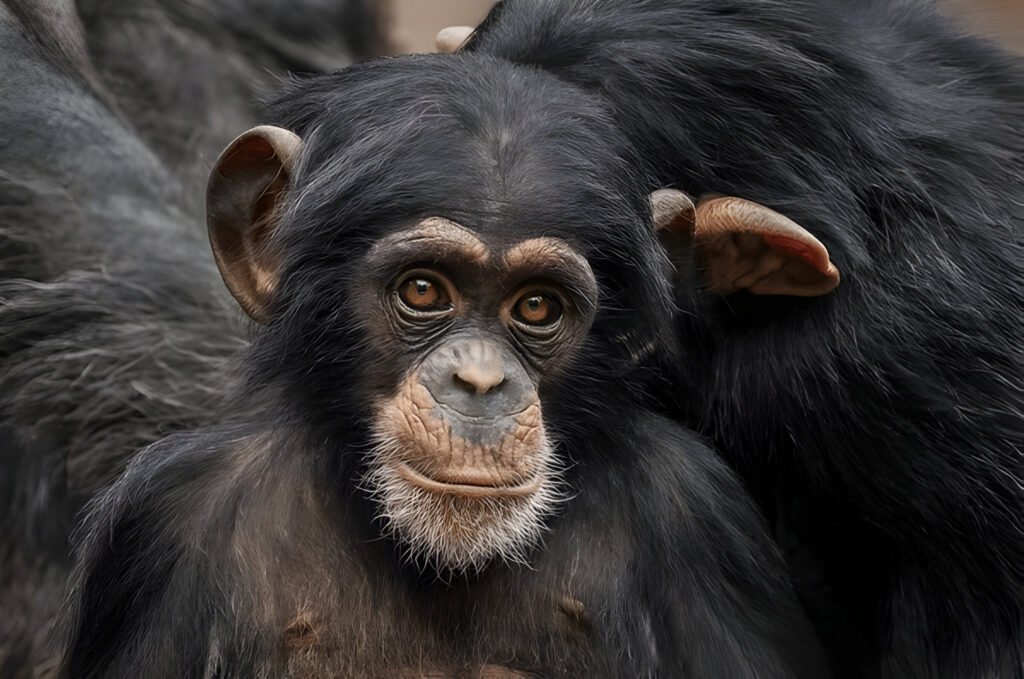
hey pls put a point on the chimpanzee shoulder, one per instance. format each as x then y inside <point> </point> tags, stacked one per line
<point>150,560</point>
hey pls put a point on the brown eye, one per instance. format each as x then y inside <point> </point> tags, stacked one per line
<point>423,294</point>
<point>535,309</point>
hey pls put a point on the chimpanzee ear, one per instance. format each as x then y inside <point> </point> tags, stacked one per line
<point>450,39</point>
<point>243,207</point>
<point>674,222</point>
<point>745,245</point>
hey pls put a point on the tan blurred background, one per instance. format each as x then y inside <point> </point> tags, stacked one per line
<point>1003,19</point>
<point>418,21</point>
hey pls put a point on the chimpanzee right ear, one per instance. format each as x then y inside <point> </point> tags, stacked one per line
<point>744,245</point>
<point>243,207</point>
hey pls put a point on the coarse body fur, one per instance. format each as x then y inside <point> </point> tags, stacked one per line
<point>880,427</point>
<point>114,328</point>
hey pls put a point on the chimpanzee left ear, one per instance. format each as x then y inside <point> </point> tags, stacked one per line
<point>745,245</point>
<point>243,207</point>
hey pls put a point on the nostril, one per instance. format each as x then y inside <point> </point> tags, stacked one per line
<point>497,384</point>
<point>464,384</point>
<point>477,380</point>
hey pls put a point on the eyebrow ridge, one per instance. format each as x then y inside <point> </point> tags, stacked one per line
<point>538,254</point>
<point>438,234</point>
<point>545,251</point>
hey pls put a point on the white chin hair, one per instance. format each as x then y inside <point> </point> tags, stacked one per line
<point>455,533</point>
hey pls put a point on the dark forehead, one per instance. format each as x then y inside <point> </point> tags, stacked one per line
<point>503,150</point>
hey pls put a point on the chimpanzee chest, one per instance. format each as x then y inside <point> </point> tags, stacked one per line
<point>570,613</point>
<point>571,642</point>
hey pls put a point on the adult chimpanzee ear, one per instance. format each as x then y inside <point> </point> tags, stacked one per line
<point>450,39</point>
<point>745,245</point>
<point>243,205</point>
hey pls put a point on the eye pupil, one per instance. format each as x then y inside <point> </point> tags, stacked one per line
<point>423,294</point>
<point>538,310</point>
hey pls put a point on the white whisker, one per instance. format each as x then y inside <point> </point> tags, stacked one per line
<point>455,533</point>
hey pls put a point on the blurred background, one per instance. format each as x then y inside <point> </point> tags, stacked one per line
<point>1003,19</point>
<point>418,21</point>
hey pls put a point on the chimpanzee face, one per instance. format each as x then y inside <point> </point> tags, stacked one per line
<point>463,325</point>
<point>468,329</point>
<point>462,465</point>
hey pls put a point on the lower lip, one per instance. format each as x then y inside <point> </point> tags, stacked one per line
<point>426,483</point>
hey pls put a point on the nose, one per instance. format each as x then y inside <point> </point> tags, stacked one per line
<point>477,377</point>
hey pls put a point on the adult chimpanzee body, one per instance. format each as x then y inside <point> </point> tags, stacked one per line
<point>452,324</point>
<point>113,328</point>
<point>163,65</point>
<point>880,426</point>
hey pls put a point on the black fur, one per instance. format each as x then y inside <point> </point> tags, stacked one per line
<point>203,554</point>
<point>881,427</point>
<point>114,327</point>
<point>186,75</point>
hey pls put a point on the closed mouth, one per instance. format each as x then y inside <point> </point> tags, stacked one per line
<point>468,489</point>
<point>489,420</point>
